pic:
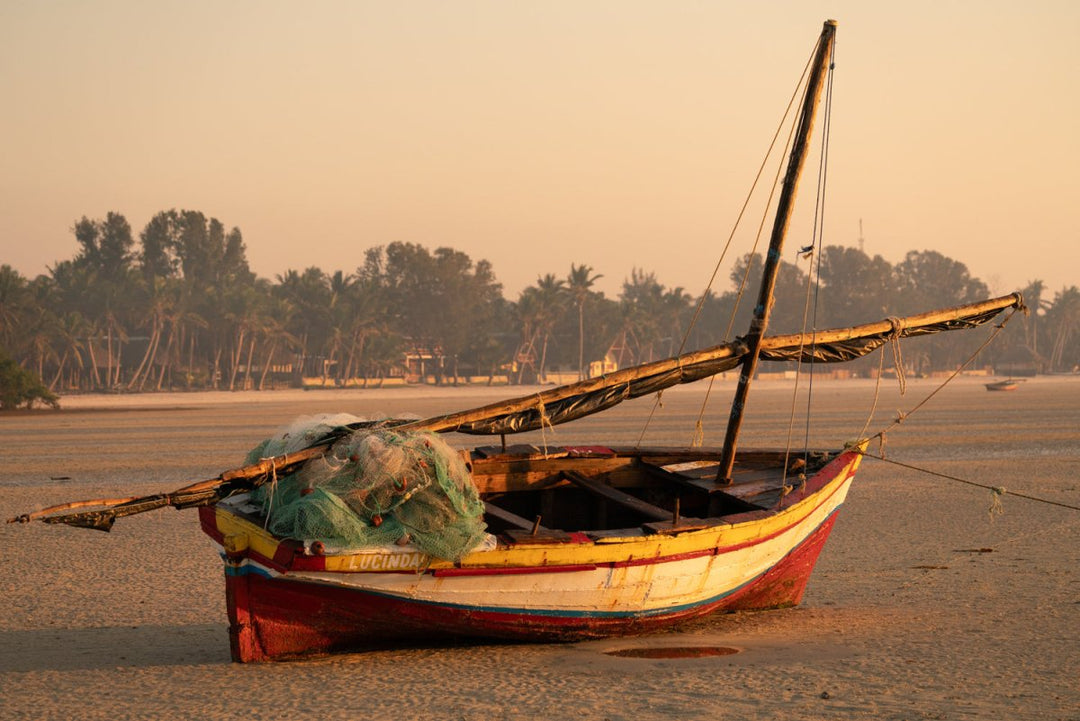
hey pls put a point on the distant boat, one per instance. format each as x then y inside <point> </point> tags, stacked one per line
<point>523,542</point>
<point>1005,385</point>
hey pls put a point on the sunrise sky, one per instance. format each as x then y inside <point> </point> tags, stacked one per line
<point>617,134</point>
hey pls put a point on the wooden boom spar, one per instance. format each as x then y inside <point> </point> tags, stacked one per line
<point>553,406</point>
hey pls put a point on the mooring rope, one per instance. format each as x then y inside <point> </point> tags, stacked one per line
<point>998,491</point>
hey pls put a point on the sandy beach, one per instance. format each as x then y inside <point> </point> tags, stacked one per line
<point>923,605</point>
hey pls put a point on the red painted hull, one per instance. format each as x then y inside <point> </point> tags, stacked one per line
<point>272,618</point>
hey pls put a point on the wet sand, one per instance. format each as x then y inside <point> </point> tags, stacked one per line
<point>908,615</point>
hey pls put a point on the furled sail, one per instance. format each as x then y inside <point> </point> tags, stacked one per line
<point>569,402</point>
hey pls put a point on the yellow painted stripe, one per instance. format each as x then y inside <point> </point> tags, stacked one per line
<point>608,550</point>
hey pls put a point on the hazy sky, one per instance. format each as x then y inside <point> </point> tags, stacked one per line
<point>535,135</point>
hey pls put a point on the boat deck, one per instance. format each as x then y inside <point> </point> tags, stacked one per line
<point>537,493</point>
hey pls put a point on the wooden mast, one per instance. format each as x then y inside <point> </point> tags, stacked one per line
<point>784,207</point>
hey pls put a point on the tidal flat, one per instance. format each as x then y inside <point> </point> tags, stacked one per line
<point>924,604</point>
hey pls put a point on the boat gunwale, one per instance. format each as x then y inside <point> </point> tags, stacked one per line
<point>748,528</point>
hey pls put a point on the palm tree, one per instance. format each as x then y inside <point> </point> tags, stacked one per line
<point>674,307</point>
<point>1064,317</point>
<point>244,314</point>
<point>642,308</point>
<point>70,330</point>
<point>527,314</point>
<point>338,311</point>
<point>366,314</point>
<point>578,285</point>
<point>40,337</point>
<point>184,326</point>
<point>114,331</point>
<point>13,303</point>
<point>156,304</point>
<point>275,332</point>
<point>309,295</point>
<point>549,306</point>
<point>1033,299</point>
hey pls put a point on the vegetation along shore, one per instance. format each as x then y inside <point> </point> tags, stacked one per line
<point>178,308</point>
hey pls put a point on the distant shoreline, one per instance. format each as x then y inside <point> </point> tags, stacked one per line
<point>181,399</point>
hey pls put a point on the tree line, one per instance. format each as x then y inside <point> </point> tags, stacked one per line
<point>179,308</point>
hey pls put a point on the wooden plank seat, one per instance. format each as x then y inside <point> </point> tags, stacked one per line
<point>509,519</point>
<point>614,495</point>
<point>521,530</point>
<point>701,478</point>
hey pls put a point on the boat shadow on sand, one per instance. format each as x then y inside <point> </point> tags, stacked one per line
<point>111,647</point>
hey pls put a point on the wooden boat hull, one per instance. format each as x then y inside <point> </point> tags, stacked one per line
<point>284,602</point>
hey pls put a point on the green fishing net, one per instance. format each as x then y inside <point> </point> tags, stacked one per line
<point>373,487</point>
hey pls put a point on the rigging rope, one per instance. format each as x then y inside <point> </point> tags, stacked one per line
<point>902,416</point>
<point>816,274</point>
<point>813,252</point>
<point>798,371</point>
<point>699,437</point>
<point>746,201</point>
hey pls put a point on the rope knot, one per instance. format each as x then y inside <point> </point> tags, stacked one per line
<point>996,509</point>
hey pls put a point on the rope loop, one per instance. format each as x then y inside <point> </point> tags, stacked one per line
<point>545,422</point>
<point>699,434</point>
<point>898,359</point>
<point>273,487</point>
